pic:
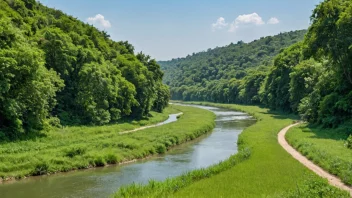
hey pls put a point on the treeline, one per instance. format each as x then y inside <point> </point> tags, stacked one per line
<point>55,68</point>
<point>229,62</point>
<point>312,77</point>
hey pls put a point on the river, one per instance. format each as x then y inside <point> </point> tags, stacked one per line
<point>102,182</point>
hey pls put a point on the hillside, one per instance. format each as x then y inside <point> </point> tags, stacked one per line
<point>225,63</point>
<point>55,68</point>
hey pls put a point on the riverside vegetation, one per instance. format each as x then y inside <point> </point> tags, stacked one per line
<point>326,147</point>
<point>312,77</point>
<point>260,169</point>
<point>65,87</point>
<point>57,70</point>
<point>72,148</point>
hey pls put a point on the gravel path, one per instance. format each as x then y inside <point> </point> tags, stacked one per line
<point>333,180</point>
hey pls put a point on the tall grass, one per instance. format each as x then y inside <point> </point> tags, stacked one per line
<point>269,171</point>
<point>325,147</point>
<point>171,185</point>
<point>74,148</point>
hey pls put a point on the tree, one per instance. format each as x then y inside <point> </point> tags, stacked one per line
<point>27,88</point>
<point>330,36</point>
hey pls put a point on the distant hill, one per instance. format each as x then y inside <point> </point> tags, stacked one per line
<point>225,63</point>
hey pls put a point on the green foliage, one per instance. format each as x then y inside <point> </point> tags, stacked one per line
<point>264,164</point>
<point>172,185</point>
<point>325,147</point>
<point>275,92</point>
<point>316,188</point>
<point>349,142</point>
<point>303,79</point>
<point>72,152</point>
<point>41,169</point>
<point>312,77</point>
<point>71,148</point>
<point>28,89</point>
<point>53,65</point>
<point>206,76</point>
<point>329,38</point>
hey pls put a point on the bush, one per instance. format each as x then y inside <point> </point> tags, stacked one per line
<point>41,169</point>
<point>99,161</point>
<point>349,142</point>
<point>75,151</point>
<point>161,149</point>
<point>111,158</point>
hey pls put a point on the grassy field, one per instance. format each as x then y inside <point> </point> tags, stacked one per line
<point>325,147</point>
<point>73,148</point>
<point>267,171</point>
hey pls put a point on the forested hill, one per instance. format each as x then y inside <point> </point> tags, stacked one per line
<point>54,68</point>
<point>312,77</point>
<point>224,63</point>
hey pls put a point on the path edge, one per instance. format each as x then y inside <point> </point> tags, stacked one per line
<point>332,179</point>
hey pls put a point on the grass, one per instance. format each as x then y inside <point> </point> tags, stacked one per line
<point>269,171</point>
<point>325,147</point>
<point>74,148</point>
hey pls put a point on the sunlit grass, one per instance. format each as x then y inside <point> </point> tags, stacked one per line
<point>73,148</point>
<point>325,147</point>
<point>268,172</point>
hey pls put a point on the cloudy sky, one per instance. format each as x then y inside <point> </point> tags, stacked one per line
<point>168,29</point>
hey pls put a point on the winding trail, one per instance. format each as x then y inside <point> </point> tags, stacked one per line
<point>333,180</point>
<point>151,126</point>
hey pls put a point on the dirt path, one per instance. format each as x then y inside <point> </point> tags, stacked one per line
<point>333,180</point>
<point>146,127</point>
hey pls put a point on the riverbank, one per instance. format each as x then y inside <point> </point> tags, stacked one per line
<point>268,171</point>
<point>75,148</point>
<point>325,147</point>
<point>333,180</point>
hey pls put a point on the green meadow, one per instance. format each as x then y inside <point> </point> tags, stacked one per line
<point>325,147</point>
<point>72,148</point>
<point>261,169</point>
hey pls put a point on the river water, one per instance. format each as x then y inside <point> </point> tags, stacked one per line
<point>102,182</point>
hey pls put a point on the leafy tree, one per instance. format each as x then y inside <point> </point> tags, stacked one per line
<point>275,91</point>
<point>52,64</point>
<point>303,77</point>
<point>27,88</point>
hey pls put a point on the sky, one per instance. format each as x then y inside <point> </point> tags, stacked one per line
<point>166,29</point>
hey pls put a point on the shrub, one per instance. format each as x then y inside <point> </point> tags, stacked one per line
<point>161,149</point>
<point>41,169</point>
<point>99,161</point>
<point>349,142</point>
<point>111,158</point>
<point>75,151</point>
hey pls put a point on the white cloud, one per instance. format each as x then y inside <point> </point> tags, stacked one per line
<point>220,23</point>
<point>253,18</point>
<point>273,20</point>
<point>99,20</point>
<point>249,18</point>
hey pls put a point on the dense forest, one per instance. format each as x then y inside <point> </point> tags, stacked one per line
<point>56,69</point>
<point>204,76</point>
<point>312,77</point>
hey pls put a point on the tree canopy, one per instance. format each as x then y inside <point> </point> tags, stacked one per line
<point>55,66</point>
<point>305,72</point>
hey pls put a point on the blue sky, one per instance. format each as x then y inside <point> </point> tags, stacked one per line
<point>168,29</point>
